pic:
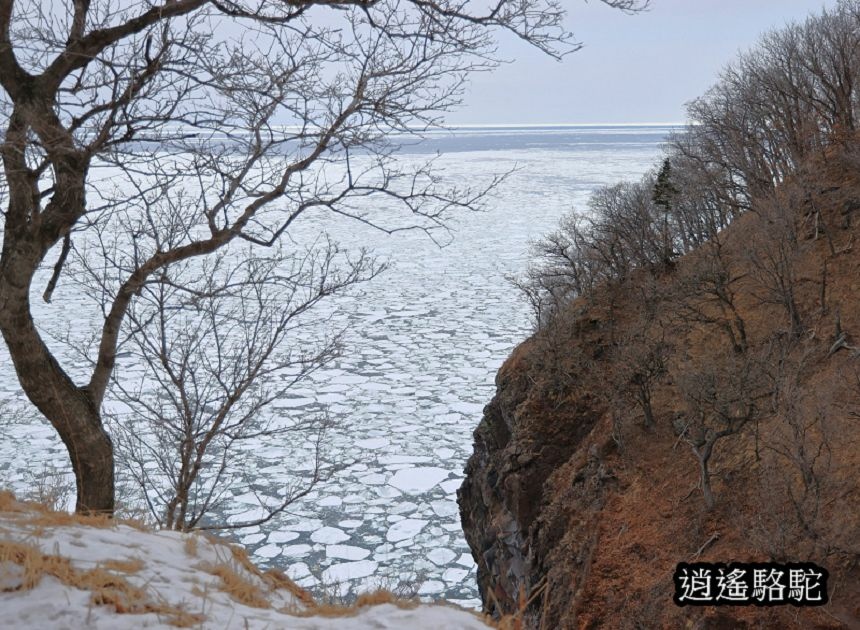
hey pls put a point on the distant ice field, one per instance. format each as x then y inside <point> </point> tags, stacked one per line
<point>423,344</point>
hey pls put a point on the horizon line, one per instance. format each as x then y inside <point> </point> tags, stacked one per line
<point>568,124</point>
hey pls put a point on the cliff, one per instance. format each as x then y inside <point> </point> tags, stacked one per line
<point>577,508</point>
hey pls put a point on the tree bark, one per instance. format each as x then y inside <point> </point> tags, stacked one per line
<point>70,409</point>
<point>707,493</point>
<point>645,403</point>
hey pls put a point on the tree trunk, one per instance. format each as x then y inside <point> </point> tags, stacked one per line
<point>704,456</point>
<point>645,404</point>
<point>70,409</point>
<point>707,493</point>
<point>794,314</point>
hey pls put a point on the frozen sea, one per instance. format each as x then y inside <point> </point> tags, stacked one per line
<point>423,345</point>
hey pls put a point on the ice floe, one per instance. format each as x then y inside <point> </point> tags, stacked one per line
<point>441,556</point>
<point>329,536</point>
<point>431,587</point>
<point>419,479</point>
<point>346,552</point>
<point>282,537</point>
<point>296,551</point>
<point>345,571</point>
<point>405,529</point>
<point>375,442</point>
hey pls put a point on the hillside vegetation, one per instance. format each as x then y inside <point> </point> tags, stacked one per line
<point>692,390</point>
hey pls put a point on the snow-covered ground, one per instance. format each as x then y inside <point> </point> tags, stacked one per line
<point>56,575</point>
<point>424,342</point>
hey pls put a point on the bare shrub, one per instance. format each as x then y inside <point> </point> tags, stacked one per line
<point>216,352</point>
<point>706,292</point>
<point>51,486</point>
<point>804,484</point>
<point>774,255</point>
<point>638,364</point>
<point>724,396</point>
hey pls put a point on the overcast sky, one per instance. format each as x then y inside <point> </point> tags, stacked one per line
<point>633,68</point>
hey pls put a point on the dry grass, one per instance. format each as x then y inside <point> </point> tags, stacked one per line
<point>41,515</point>
<point>278,579</point>
<point>378,598</point>
<point>8,502</point>
<point>46,518</point>
<point>254,593</point>
<point>191,545</point>
<point>374,598</point>
<point>237,586</point>
<point>107,588</point>
<point>250,593</point>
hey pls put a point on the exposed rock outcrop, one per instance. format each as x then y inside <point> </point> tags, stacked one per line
<point>516,450</point>
<point>518,447</point>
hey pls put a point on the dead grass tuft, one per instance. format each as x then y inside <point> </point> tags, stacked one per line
<point>383,596</point>
<point>106,587</point>
<point>8,502</point>
<point>41,515</point>
<point>365,600</point>
<point>279,580</point>
<point>191,545</point>
<point>241,589</point>
<point>238,587</point>
<point>374,598</point>
<point>47,518</point>
<point>273,578</point>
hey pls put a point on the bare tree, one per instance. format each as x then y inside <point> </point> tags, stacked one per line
<point>802,441</point>
<point>774,256</point>
<point>804,459</point>
<point>223,118</point>
<point>213,351</point>
<point>706,292</point>
<point>560,270</point>
<point>723,398</point>
<point>624,230</point>
<point>638,364</point>
<point>775,106</point>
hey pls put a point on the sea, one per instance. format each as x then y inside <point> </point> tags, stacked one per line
<point>422,344</point>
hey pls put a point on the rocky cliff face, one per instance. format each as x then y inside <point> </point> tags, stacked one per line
<point>500,496</point>
<point>577,513</point>
<point>519,444</point>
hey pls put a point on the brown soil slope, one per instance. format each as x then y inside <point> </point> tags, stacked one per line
<point>573,504</point>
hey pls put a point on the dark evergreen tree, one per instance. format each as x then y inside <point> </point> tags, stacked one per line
<point>662,196</point>
<point>664,189</point>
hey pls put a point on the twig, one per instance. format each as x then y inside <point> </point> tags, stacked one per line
<point>841,342</point>
<point>682,434</point>
<point>695,487</point>
<point>714,537</point>
<point>545,610</point>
